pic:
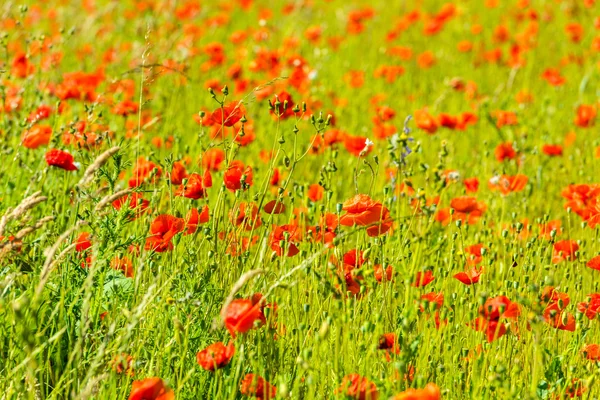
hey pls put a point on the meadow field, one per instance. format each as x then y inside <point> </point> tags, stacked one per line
<point>299,199</point>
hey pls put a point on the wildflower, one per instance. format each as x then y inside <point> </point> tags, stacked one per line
<point>215,356</point>
<point>237,176</point>
<point>361,210</point>
<point>151,389</point>
<point>36,136</point>
<point>195,186</point>
<point>60,159</point>
<point>285,237</point>
<point>258,387</point>
<point>564,250</point>
<point>358,387</point>
<point>241,315</point>
<point>163,229</point>
<point>430,392</point>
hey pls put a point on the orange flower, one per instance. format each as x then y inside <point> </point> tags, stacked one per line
<point>123,264</point>
<point>430,392</point>
<point>361,210</point>
<point>466,209</point>
<point>246,216</point>
<point>237,176</point>
<point>594,263</point>
<point>61,159</point>
<point>151,389</point>
<point>255,386</point>
<point>423,279</point>
<point>36,136</point>
<point>552,150</point>
<point>505,151</point>
<point>586,116</point>
<point>426,121</point>
<point>215,356</point>
<point>471,185</point>
<point>241,316</point>
<point>195,187</point>
<point>315,192</point>
<point>469,277</point>
<point>178,173</point>
<point>358,387</point>
<point>508,184</point>
<point>285,236</point>
<point>213,158</point>
<point>591,352</point>
<point>227,116</point>
<point>162,230</point>
<point>564,250</point>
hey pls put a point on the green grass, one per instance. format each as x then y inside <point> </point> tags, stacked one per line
<point>61,325</point>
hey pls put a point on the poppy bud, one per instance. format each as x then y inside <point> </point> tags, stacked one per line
<point>225,90</point>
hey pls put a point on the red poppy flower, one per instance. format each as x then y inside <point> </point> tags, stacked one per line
<point>555,303</point>
<point>389,341</point>
<point>426,121</point>
<point>142,171</point>
<point>213,158</point>
<point>430,392</point>
<point>237,177</point>
<point>469,277</point>
<point>274,207</point>
<point>423,279</point>
<point>285,110</point>
<point>151,389</point>
<point>552,150</point>
<point>60,159</point>
<point>229,115</point>
<point>215,356</point>
<point>361,210</point>
<point>591,307</point>
<point>475,255</point>
<point>195,186</point>
<point>285,236</point>
<point>505,151</point>
<point>357,145</point>
<point>193,218</point>
<point>591,352</point>
<point>586,115</point>
<point>508,184</point>
<point>564,250</point>
<point>123,363</point>
<point>136,202</point>
<point>383,273</point>
<point>358,387</point>
<point>594,263</point>
<point>162,230</point>
<point>466,209</point>
<point>242,315</point>
<point>315,192</point>
<point>471,185</point>
<point>83,242</point>
<point>178,173</point>
<point>246,216</point>
<point>123,264</point>
<point>255,386</point>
